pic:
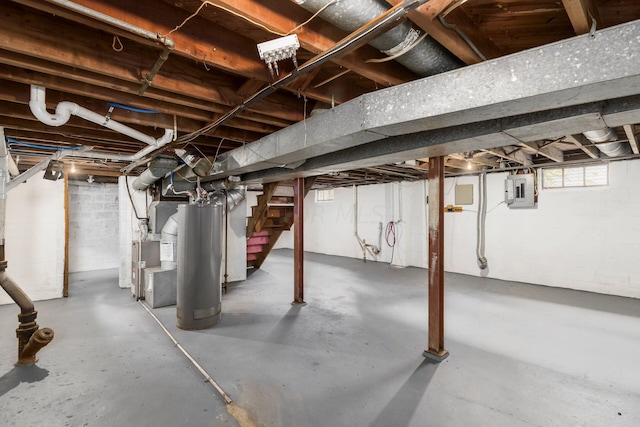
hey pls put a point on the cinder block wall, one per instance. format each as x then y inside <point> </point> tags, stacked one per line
<point>93,226</point>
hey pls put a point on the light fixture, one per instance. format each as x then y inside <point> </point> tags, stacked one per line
<point>73,167</point>
<point>469,165</point>
<point>54,170</point>
<point>90,179</point>
<point>276,50</point>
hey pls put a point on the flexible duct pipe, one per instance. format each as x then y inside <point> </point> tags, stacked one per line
<point>158,168</point>
<point>610,149</point>
<point>169,234</point>
<point>482,217</point>
<point>426,58</point>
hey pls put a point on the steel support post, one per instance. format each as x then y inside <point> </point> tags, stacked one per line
<point>298,241</point>
<point>435,349</point>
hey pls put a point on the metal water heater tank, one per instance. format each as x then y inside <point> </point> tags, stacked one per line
<point>199,259</point>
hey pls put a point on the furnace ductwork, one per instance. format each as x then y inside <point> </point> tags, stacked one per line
<point>158,168</point>
<point>610,149</point>
<point>425,58</point>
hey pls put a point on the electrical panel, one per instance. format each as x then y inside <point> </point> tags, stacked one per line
<point>519,191</point>
<point>464,194</point>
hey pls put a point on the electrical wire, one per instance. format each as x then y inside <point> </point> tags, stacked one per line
<point>390,234</point>
<point>135,211</point>
<point>370,30</point>
<point>313,16</point>
<point>399,54</point>
<point>132,109</point>
<point>40,147</point>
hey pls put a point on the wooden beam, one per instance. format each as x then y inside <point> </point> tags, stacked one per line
<point>68,46</point>
<point>549,151</point>
<point>298,240</point>
<point>67,82</point>
<point>578,11</point>
<point>584,144</point>
<point>317,37</point>
<point>433,8</point>
<point>201,40</point>
<point>450,39</point>
<point>517,155</point>
<point>632,137</point>
<point>435,348</point>
<point>20,94</point>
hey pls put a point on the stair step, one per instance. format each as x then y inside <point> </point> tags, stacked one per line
<point>261,233</point>
<point>251,257</point>
<point>258,240</point>
<point>256,249</point>
<point>277,211</point>
<point>281,199</point>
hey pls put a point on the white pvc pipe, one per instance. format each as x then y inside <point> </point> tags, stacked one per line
<point>64,110</point>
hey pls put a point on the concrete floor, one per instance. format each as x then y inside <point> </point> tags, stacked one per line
<point>521,355</point>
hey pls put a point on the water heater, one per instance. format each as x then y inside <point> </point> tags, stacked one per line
<point>199,258</point>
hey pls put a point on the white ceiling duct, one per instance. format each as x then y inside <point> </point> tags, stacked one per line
<point>600,137</point>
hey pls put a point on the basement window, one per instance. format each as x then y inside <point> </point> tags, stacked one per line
<point>576,176</point>
<point>324,195</point>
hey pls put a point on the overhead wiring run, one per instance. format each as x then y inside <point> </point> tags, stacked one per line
<point>357,38</point>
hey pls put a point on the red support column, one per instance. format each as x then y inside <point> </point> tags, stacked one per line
<point>298,241</point>
<point>435,349</point>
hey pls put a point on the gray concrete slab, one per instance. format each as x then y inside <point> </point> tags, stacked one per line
<point>521,355</point>
<point>108,365</point>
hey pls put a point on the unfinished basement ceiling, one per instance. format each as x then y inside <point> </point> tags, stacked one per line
<point>215,67</point>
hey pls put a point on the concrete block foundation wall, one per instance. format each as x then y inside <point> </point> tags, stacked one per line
<point>93,226</point>
<point>578,238</point>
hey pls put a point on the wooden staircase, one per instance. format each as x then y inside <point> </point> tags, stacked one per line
<point>269,218</point>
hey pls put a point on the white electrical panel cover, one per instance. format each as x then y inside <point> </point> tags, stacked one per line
<point>519,191</point>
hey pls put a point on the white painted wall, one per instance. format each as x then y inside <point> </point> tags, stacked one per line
<point>580,238</point>
<point>93,226</point>
<point>35,238</point>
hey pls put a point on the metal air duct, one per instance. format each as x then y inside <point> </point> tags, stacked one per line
<point>610,149</point>
<point>425,58</point>
<point>158,168</point>
<point>169,235</point>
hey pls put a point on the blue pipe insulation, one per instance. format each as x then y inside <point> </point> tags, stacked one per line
<point>132,109</point>
<point>41,147</point>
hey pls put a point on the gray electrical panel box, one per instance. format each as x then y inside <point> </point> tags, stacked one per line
<point>519,191</point>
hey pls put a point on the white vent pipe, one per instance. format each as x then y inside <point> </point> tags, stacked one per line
<point>64,111</point>
<point>610,149</point>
